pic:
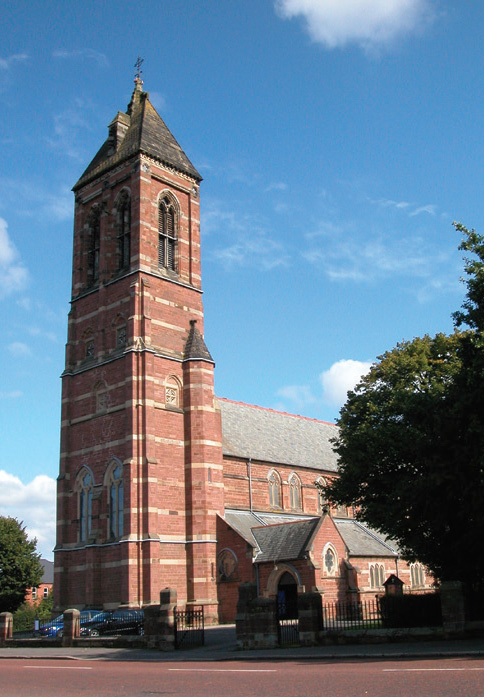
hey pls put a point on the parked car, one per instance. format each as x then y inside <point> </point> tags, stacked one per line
<point>116,622</point>
<point>55,628</point>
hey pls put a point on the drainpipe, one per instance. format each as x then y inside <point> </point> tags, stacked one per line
<point>257,579</point>
<point>249,461</point>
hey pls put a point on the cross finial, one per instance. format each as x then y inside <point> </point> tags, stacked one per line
<point>137,65</point>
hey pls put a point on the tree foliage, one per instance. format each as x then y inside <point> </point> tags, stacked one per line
<point>411,440</point>
<point>20,566</point>
<point>25,616</point>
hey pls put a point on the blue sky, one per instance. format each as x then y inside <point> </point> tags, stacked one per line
<point>338,140</point>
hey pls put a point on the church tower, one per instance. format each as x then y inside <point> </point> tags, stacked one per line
<point>140,481</point>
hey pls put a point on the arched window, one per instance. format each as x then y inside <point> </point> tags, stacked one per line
<point>226,566</point>
<point>417,575</point>
<point>84,486</point>
<point>330,560</point>
<point>274,481</point>
<point>322,503</point>
<point>167,234</point>
<point>377,575</point>
<point>101,397</point>
<point>93,244</point>
<point>295,492</point>
<point>123,231</point>
<point>116,502</point>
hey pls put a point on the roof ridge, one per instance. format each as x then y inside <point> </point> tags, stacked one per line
<point>285,522</point>
<point>275,411</point>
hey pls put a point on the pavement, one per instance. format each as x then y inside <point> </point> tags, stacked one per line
<point>220,645</point>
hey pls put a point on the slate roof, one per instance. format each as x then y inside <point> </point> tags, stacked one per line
<point>48,574</point>
<point>243,521</point>
<point>284,541</point>
<point>276,437</point>
<point>362,541</point>
<point>195,348</point>
<point>146,133</point>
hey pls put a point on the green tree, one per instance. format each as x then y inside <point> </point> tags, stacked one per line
<point>20,566</point>
<point>25,616</point>
<point>411,441</point>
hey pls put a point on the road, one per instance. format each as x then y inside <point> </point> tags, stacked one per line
<point>456,677</point>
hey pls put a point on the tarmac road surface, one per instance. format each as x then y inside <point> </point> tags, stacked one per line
<point>434,677</point>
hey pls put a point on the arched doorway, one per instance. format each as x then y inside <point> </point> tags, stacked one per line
<point>287,597</point>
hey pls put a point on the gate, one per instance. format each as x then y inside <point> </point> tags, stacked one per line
<point>287,623</point>
<point>189,627</point>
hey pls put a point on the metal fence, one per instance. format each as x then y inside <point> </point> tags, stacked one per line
<point>384,612</point>
<point>189,627</point>
<point>357,615</point>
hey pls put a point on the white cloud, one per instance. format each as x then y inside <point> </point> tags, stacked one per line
<point>248,242</point>
<point>430,209</point>
<point>367,23</point>
<point>300,396</point>
<point>18,348</point>
<point>371,259</point>
<point>5,63</point>
<point>276,186</point>
<point>32,503</point>
<point>343,375</point>
<point>13,394</point>
<point>258,252</point>
<point>100,58</point>
<point>13,274</point>
<point>37,200</point>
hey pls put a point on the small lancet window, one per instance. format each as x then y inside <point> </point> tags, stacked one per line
<point>417,575</point>
<point>377,575</point>
<point>330,560</point>
<point>167,234</point>
<point>295,492</point>
<point>274,482</point>
<point>123,231</point>
<point>85,506</point>
<point>322,503</point>
<point>116,503</point>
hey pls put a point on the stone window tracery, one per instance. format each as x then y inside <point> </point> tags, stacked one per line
<point>274,482</point>
<point>172,393</point>
<point>417,575</point>
<point>330,560</point>
<point>227,566</point>
<point>295,492</point>
<point>377,575</point>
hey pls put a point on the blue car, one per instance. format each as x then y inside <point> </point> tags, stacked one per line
<point>55,628</point>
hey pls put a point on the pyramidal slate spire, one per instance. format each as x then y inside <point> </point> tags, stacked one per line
<point>138,130</point>
<point>195,348</point>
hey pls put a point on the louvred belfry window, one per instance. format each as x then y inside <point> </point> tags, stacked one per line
<point>167,235</point>
<point>94,241</point>
<point>123,224</point>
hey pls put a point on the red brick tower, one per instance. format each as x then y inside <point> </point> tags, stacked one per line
<point>140,479</point>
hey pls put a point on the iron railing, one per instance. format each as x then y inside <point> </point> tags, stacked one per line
<point>189,627</point>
